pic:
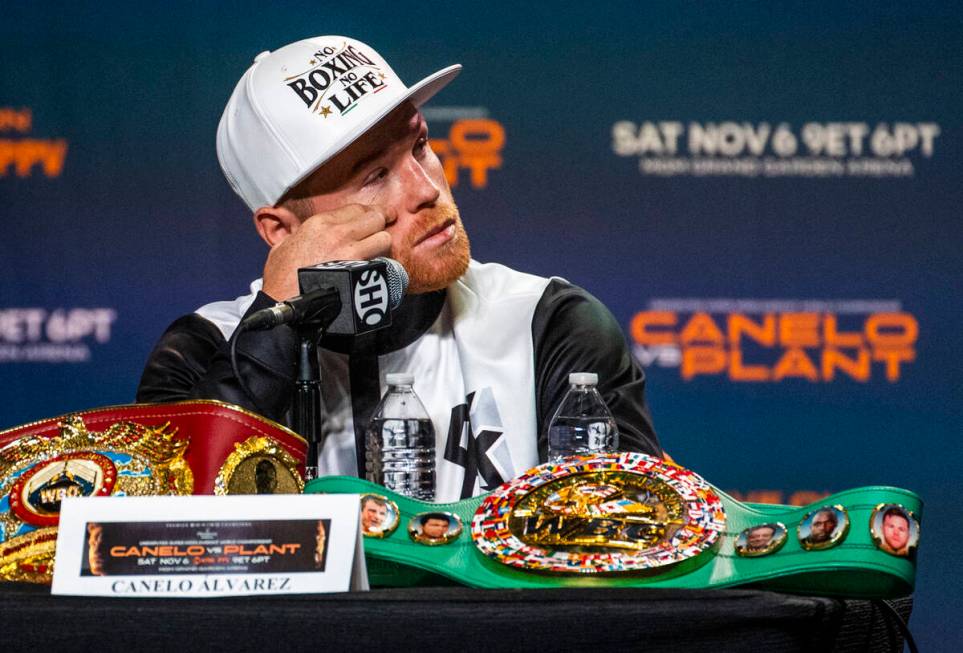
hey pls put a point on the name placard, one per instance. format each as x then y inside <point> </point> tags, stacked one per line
<point>209,546</point>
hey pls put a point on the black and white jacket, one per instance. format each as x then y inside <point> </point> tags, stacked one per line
<point>491,356</point>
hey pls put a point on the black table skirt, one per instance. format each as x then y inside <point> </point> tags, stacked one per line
<point>452,619</point>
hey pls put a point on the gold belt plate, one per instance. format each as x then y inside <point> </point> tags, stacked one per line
<point>37,473</point>
<point>608,513</point>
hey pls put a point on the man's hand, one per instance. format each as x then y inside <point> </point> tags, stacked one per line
<point>352,232</point>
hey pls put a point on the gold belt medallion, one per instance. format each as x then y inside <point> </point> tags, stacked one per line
<point>607,513</point>
<point>37,473</point>
<point>259,465</point>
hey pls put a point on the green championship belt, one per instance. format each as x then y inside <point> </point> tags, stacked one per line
<point>631,520</point>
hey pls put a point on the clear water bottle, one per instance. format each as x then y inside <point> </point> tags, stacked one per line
<point>582,424</point>
<point>400,447</point>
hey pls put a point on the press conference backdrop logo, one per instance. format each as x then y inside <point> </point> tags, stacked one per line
<point>469,145</point>
<point>732,148</point>
<point>774,340</point>
<point>38,335</point>
<point>26,156</point>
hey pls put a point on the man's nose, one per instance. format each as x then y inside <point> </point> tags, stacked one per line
<point>421,190</point>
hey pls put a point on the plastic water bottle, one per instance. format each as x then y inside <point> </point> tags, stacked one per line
<point>582,424</point>
<point>400,447</point>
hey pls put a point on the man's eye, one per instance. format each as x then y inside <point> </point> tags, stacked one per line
<point>375,176</point>
<point>420,145</point>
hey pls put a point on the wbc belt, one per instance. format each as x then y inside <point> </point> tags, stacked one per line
<point>190,447</point>
<point>628,519</point>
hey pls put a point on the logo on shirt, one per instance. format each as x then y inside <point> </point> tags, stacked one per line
<point>477,442</point>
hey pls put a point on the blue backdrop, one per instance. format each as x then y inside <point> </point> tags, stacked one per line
<point>766,197</point>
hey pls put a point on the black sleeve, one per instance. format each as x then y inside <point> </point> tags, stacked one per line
<point>192,361</point>
<point>574,332</point>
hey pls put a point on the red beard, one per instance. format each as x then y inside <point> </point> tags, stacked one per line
<point>437,267</point>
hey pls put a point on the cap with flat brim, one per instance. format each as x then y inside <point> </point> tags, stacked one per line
<point>299,106</point>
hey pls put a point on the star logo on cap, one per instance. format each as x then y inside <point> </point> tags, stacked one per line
<point>325,110</point>
<point>312,62</point>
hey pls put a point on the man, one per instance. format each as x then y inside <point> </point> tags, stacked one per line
<point>823,525</point>
<point>320,538</point>
<point>95,558</point>
<point>759,538</point>
<point>896,532</point>
<point>373,514</point>
<point>434,527</point>
<point>327,147</point>
<point>265,477</point>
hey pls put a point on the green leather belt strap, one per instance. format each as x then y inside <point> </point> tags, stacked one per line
<point>855,567</point>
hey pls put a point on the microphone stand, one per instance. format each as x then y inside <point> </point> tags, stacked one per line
<point>307,397</point>
<point>310,315</point>
<point>306,407</point>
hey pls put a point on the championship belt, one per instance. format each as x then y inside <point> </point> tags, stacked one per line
<point>191,447</point>
<point>631,520</point>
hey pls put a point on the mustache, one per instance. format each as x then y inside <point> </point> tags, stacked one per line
<point>430,220</point>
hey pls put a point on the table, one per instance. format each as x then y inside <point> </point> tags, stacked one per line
<point>452,619</point>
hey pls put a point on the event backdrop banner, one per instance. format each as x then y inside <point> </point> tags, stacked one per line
<point>767,198</point>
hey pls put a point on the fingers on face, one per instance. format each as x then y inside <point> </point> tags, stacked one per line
<point>370,222</point>
<point>352,232</point>
<point>377,244</point>
<point>350,213</point>
<point>352,220</point>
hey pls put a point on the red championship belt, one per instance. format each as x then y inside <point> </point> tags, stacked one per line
<point>190,447</point>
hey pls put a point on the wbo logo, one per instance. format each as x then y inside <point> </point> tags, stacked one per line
<point>337,78</point>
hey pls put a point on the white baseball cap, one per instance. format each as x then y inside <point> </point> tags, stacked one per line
<point>297,107</point>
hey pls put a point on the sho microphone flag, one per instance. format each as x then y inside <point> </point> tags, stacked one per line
<point>368,291</point>
<point>343,297</point>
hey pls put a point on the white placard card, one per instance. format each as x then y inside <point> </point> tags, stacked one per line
<point>209,546</point>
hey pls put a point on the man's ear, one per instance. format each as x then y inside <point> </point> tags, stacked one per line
<point>275,223</point>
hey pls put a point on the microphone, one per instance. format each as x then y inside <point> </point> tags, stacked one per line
<point>343,297</point>
<point>294,310</point>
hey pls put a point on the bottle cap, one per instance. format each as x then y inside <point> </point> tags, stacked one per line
<point>583,378</point>
<point>399,378</point>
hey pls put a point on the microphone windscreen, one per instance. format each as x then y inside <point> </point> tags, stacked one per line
<point>397,281</point>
